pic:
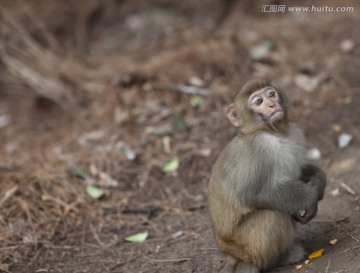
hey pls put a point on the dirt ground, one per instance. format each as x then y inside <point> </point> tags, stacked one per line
<point>95,93</point>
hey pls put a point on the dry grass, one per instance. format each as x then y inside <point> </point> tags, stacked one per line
<point>40,63</point>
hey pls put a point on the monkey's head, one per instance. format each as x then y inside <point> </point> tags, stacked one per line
<point>259,105</point>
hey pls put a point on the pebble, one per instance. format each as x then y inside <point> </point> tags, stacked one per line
<point>347,45</point>
<point>313,154</point>
<point>344,140</point>
<point>195,81</point>
<point>335,192</point>
<point>261,51</point>
<point>4,120</point>
<point>308,84</point>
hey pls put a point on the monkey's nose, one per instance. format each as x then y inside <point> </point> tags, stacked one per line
<point>270,103</point>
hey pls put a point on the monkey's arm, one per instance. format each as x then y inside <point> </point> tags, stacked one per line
<point>315,177</point>
<point>290,197</point>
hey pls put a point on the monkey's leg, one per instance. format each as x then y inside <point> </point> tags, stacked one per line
<point>295,254</point>
<point>259,240</point>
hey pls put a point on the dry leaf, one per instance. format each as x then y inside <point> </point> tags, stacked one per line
<point>337,128</point>
<point>316,254</point>
<point>333,241</point>
<point>307,262</point>
<point>298,267</point>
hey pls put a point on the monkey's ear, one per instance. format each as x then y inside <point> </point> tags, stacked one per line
<point>232,115</point>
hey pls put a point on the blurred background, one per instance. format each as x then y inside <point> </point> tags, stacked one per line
<point>112,114</point>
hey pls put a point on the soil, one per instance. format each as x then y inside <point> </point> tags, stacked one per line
<point>94,93</point>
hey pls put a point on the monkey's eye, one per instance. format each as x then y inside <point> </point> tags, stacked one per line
<point>270,93</point>
<point>257,101</point>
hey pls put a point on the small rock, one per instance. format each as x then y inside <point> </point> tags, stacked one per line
<point>308,84</point>
<point>313,154</point>
<point>108,180</point>
<point>91,136</point>
<point>129,153</point>
<point>347,45</point>
<point>195,81</point>
<point>4,121</point>
<point>206,152</point>
<point>177,234</point>
<point>335,192</point>
<point>93,170</point>
<point>344,140</point>
<point>261,51</point>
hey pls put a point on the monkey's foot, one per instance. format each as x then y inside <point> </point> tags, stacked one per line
<point>295,254</point>
<point>242,267</point>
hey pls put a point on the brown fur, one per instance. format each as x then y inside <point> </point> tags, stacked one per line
<point>242,232</point>
<point>259,154</point>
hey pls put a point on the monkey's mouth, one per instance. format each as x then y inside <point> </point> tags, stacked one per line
<point>277,115</point>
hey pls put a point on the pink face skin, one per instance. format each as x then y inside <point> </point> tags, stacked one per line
<point>266,102</point>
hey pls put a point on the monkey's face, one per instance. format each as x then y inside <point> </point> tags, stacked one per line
<point>266,103</point>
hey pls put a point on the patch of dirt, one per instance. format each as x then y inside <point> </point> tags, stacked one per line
<point>94,92</point>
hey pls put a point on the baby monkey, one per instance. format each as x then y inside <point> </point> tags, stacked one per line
<point>261,184</point>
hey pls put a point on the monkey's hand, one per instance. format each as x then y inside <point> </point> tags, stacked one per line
<point>311,206</point>
<point>318,181</point>
<point>305,216</point>
<point>315,177</point>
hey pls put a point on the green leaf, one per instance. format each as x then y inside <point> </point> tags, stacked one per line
<point>81,173</point>
<point>179,123</point>
<point>162,132</point>
<point>137,238</point>
<point>94,192</point>
<point>196,101</point>
<point>172,165</point>
<point>268,44</point>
